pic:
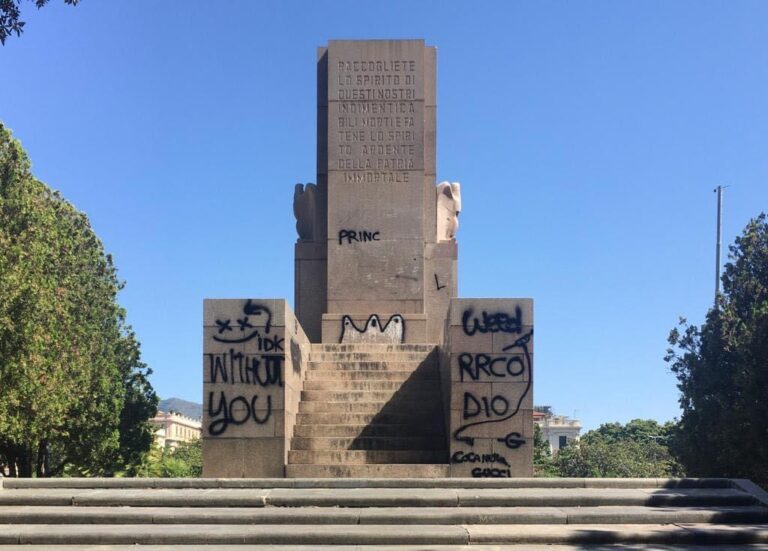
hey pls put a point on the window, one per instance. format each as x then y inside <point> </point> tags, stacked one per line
<point>562,441</point>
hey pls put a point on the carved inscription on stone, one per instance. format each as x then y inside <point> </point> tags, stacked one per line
<point>375,118</point>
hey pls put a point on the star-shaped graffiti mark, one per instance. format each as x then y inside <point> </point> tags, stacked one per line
<point>224,325</point>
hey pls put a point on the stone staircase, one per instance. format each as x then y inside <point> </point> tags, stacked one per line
<point>376,514</point>
<point>370,410</point>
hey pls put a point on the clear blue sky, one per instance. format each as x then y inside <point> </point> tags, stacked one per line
<point>588,137</point>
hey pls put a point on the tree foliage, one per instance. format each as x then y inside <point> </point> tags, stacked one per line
<point>10,16</point>
<point>183,461</point>
<point>74,393</point>
<point>722,370</point>
<point>637,449</point>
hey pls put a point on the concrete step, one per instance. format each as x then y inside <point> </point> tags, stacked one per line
<point>422,534</point>
<point>372,375</point>
<point>381,515</point>
<point>369,442</point>
<point>367,356</point>
<point>410,406</point>
<point>363,457</point>
<point>373,365</point>
<point>383,472</point>
<point>315,431</point>
<point>331,418</point>
<point>419,547</point>
<point>376,385</point>
<point>372,396</point>
<point>649,484</point>
<point>405,347</point>
<point>378,497</point>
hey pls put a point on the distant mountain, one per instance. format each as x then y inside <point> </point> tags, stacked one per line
<point>190,409</point>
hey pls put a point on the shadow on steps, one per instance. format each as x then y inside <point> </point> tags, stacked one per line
<point>413,416</point>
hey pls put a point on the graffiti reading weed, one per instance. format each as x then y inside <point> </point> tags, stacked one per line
<point>500,322</point>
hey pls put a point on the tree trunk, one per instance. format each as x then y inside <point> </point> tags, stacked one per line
<point>24,462</point>
<point>42,459</point>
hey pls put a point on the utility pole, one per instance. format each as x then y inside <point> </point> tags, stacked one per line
<point>719,191</point>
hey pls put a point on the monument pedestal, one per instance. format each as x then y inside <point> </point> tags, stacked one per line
<point>401,376</point>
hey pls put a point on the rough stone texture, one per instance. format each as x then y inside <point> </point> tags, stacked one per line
<point>310,286</point>
<point>377,125</point>
<point>440,265</point>
<point>489,413</point>
<point>252,384</point>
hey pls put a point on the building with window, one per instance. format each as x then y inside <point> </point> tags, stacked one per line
<point>171,428</point>
<point>558,430</point>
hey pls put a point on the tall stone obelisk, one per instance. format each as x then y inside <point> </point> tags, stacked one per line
<point>375,195</point>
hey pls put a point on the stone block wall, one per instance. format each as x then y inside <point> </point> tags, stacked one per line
<point>487,372</point>
<point>254,354</point>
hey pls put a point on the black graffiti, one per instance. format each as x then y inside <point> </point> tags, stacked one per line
<point>244,324</point>
<point>472,457</point>
<point>500,322</point>
<point>513,440</point>
<point>493,366</point>
<point>437,283</point>
<point>374,328</point>
<point>238,411</point>
<point>264,343</point>
<point>495,406</point>
<point>497,409</point>
<point>250,309</point>
<point>224,325</point>
<point>359,236</point>
<point>235,367</point>
<point>491,472</point>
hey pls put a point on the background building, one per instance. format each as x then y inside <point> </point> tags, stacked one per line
<point>172,428</point>
<point>558,430</point>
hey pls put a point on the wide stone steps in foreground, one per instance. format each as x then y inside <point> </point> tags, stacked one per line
<point>371,514</point>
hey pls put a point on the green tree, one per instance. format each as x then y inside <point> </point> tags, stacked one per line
<point>637,449</point>
<point>10,16</point>
<point>183,461</point>
<point>722,370</point>
<point>74,393</point>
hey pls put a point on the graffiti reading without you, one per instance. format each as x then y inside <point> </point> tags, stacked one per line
<point>262,370</point>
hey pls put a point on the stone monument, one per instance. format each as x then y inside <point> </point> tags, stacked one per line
<point>382,371</point>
